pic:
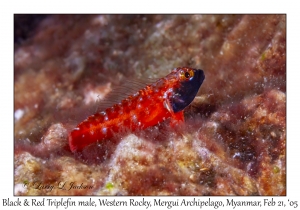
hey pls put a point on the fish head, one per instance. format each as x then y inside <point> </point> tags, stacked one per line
<point>188,85</point>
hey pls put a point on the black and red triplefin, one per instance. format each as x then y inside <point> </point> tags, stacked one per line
<point>165,98</point>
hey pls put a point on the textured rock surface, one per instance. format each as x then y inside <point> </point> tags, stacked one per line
<point>233,141</point>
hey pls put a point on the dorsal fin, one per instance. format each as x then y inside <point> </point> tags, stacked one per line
<point>122,91</point>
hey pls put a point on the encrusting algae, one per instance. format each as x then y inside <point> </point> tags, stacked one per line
<point>233,139</point>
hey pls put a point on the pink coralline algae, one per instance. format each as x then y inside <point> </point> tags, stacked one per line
<point>233,141</point>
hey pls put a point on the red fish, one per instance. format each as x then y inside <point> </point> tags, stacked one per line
<point>166,98</point>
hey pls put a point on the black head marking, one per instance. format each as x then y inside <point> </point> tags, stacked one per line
<point>187,90</point>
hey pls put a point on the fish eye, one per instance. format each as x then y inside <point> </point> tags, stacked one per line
<point>186,75</point>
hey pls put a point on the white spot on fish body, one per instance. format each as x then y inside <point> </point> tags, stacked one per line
<point>104,130</point>
<point>134,118</point>
<point>141,99</point>
<point>106,118</point>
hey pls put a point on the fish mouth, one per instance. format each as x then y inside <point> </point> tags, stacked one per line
<point>186,92</point>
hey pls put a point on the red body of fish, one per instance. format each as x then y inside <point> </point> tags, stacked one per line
<point>166,98</point>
